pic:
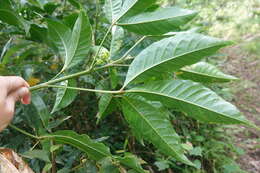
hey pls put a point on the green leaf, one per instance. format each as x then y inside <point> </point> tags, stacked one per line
<point>112,9</point>
<point>107,166</point>
<point>58,121</point>
<point>50,7</point>
<point>47,167</point>
<point>73,45</point>
<point>64,96</point>
<point>38,154</point>
<point>41,108</point>
<point>6,48</point>
<point>133,7</point>
<point>171,54</point>
<point>197,151</point>
<point>106,105</point>
<point>60,35</point>
<point>160,21</point>
<point>131,161</point>
<point>152,125</point>
<point>38,3</point>
<point>204,72</point>
<point>114,78</point>
<point>193,98</point>
<point>8,15</point>
<point>38,33</point>
<point>116,42</point>
<point>80,42</point>
<point>70,20</point>
<point>75,3</point>
<point>93,149</point>
<point>162,165</point>
<point>12,52</point>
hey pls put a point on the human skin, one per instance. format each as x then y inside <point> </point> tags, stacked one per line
<point>12,89</point>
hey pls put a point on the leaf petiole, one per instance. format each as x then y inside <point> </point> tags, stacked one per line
<point>85,89</point>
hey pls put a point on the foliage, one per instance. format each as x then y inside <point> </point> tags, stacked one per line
<point>135,60</point>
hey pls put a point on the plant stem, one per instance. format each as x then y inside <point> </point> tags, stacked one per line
<point>85,89</point>
<point>44,85</point>
<point>23,132</point>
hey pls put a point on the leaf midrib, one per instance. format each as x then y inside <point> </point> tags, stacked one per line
<point>169,59</point>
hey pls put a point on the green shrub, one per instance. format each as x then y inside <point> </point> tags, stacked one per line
<point>144,70</point>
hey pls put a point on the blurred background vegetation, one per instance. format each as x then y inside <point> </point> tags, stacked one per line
<point>216,149</point>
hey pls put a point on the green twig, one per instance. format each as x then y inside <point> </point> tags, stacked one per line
<point>23,132</point>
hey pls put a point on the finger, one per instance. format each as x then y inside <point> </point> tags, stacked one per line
<point>26,99</point>
<point>20,94</point>
<point>12,83</point>
<point>7,113</point>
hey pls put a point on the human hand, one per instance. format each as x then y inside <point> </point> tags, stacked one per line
<point>12,89</point>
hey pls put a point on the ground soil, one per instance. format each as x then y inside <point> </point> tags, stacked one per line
<point>246,66</point>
